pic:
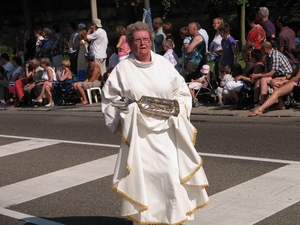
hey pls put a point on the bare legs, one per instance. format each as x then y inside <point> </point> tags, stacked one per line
<point>47,88</point>
<point>283,90</point>
<point>81,93</point>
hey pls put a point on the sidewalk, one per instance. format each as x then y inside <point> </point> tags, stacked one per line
<point>207,110</point>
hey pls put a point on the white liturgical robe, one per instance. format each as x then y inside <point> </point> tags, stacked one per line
<point>158,172</point>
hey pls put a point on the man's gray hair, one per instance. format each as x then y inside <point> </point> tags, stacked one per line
<point>264,11</point>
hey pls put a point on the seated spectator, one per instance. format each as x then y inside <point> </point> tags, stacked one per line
<point>277,66</point>
<point>289,84</point>
<point>8,71</point>
<point>235,86</point>
<point>221,91</point>
<point>170,54</point>
<point>33,72</point>
<point>92,80</point>
<point>48,77</point>
<point>16,75</point>
<point>62,75</point>
<point>197,84</point>
<point>2,74</point>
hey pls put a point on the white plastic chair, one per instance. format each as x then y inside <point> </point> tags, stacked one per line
<point>93,93</point>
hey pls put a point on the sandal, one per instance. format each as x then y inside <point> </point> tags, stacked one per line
<point>254,113</point>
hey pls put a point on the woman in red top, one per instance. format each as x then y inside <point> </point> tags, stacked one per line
<point>255,38</point>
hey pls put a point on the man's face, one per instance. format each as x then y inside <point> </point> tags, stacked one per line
<point>155,25</point>
<point>141,43</point>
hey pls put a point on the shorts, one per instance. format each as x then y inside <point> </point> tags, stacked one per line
<point>87,85</point>
<point>195,85</point>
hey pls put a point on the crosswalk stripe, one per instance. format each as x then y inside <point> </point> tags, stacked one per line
<point>254,200</point>
<point>26,217</point>
<point>57,181</point>
<point>23,146</point>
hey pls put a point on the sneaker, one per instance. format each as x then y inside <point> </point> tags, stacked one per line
<point>220,104</point>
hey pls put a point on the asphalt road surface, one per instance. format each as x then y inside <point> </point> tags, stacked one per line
<point>56,168</point>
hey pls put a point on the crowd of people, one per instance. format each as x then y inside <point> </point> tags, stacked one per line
<point>265,67</point>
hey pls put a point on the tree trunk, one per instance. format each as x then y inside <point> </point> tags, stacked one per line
<point>27,15</point>
<point>242,23</point>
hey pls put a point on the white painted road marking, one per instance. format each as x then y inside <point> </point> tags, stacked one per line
<point>249,202</point>
<point>23,146</point>
<point>254,200</point>
<point>33,188</point>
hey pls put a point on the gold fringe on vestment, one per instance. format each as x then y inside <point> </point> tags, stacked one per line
<point>130,199</point>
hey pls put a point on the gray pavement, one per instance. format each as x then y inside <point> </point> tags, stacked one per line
<point>208,110</point>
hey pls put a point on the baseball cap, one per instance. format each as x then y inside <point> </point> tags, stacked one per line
<point>205,69</point>
<point>81,26</point>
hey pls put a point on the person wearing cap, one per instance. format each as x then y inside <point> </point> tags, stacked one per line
<point>202,81</point>
<point>263,17</point>
<point>73,45</point>
<point>81,26</point>
<point>92,79</point>
<point>98,43</point>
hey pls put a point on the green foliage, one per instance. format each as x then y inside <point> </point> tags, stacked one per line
<point>233,2</point>
<point>8,50</point>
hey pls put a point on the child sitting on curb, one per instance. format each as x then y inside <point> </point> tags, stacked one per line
<point>221,92</point>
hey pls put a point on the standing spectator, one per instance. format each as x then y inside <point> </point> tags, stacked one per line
<point>215,48</point>
<point>170,54</point>
<point>20,48</point>
<point>46,50</point>
<point>39,41</point>
<point>256,36</point>
<point>73,45</point>
<point>159,35</point>
<point>29,46</point>
<point>167,29</point>
<point>277,66</point>
<point>58,46</point>
<point>196,57</point>
<point>263,17</point>
<point>286,40</point>
<point>204,35</point>
<point>185,35</point>
<point>81,26</point>
<point>113,58</point>
<point>228,43</point>
<point>297,39</point>
<point>122,46</point>
<point>98,43</point>
<point>83,49</point>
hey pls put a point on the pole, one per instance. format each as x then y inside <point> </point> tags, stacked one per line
<point>147,4</point>
<point>94,9</point>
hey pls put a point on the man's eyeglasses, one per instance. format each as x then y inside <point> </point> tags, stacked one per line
<point>139,40</point>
